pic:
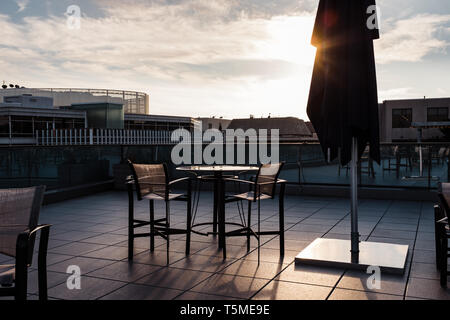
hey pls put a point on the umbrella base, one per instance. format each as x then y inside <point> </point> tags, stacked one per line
<point>390,258</point>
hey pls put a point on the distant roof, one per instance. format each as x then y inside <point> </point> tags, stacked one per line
<point>418,99</point>
<point>310,126</point>
<point>155,117</point>
<point>287,126</point>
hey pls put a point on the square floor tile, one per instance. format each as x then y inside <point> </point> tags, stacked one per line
<point>53,279</point>
<point>76,248</point>
<point>197,296</point>
<point>361,281</point>
<point>343,294</point>
<point>174,278</point>
<point>231,286</point>
<point>203,263</point>
<point>427,289</point>
<point>91,289</point>
<point>424,270</point>
<point>86,265</point>
<point>124,271</point>
<point>106,239</point>
<point>112,253</point>
<point>281,290</point>
<point>250,268</point>
<point>311,275</point>
<point>142,292</point>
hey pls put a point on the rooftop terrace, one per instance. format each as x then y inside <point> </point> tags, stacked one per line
<point>91,232</point>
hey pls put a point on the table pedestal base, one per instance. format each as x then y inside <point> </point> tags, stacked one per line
<point>390,258</point>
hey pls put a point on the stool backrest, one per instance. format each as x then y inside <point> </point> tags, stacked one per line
<point>267,177</point>
<point>444,197</point>
<point>19,212</point>
<point>150,178</point>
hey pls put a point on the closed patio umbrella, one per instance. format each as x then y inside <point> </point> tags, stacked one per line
<point>343,103</point>
<point>343,100</point>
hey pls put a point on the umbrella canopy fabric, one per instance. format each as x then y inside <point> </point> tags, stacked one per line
<point>343,101</point>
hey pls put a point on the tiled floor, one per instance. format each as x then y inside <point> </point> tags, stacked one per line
<point>91,233</point>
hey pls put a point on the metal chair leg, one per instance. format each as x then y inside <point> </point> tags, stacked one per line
<point>249,224</point>
<point>189,220</point>
<point>167,228</point>
<point>216,207</point>
<point>259,229</point>
<point>21,280</point>
<point>444,262</point>
<point>281,218</point>
<point>152,225</point>
<point>130,222</point>
<point>195,201</point>
<point>42,264</point>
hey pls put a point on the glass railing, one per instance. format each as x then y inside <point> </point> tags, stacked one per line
<point>406,165</point>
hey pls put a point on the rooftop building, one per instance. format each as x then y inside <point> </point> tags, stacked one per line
<point>214,123</point>
<point>398,116</point>
<point>132,101</point>
<point>291,129</point>
<point>24,115</point>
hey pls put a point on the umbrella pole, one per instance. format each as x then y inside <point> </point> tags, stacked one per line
<point>354,202</point>
<point>334,252</point>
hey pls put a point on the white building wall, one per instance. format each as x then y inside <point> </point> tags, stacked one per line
<point>419,114</point>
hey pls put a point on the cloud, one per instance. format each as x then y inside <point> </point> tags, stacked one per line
<point>22,4</point>
<point>442,91</point>
<point>397,93</point>
<point>226,9</point>
<point>411,39</point>
<point>192,56</point>
<point>189,40</point>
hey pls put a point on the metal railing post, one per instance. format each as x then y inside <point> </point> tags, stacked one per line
<point>91,136</point>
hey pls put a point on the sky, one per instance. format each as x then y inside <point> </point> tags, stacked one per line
<point>229,58</point>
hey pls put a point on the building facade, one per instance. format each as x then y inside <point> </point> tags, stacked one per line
<point>214,123</point>
<point>132,101</point>
<point>397,118</point>
<point>290,129</point>
<point>24,116</point>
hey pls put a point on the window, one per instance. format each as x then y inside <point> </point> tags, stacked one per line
<point>437,114</point>
<point>22,126</point>
<point>41,123</point>
<point>401,118</point>
<point>4,126</point>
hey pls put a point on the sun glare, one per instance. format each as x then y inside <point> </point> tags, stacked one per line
<point>289,40</point>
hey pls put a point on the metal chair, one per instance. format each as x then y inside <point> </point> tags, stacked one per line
<point>438,155</point>
<point>398,154</point>
<point>152,183</point>
<point>262,187</point>
<point>19,216</point>
<point>442,232</point>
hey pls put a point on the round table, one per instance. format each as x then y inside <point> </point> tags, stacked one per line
<point>218,172</point>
